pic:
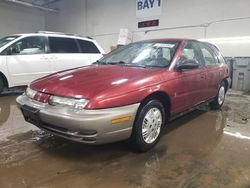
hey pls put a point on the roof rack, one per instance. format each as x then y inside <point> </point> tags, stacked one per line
<point>61,33</point>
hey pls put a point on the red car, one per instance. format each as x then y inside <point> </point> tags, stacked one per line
<point>129,94</point>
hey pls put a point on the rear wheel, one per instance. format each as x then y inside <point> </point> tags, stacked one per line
<point>148,125</point>
<point>220,97</point>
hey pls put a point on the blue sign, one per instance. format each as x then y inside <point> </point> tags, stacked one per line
<point>148,4</point>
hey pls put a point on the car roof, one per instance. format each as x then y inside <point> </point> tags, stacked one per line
<point>168,40</point>
<point>55,34</point>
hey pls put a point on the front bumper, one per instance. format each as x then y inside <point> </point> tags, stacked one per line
<point>85,126</point>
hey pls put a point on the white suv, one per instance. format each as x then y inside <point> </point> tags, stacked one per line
<point>26,57</point>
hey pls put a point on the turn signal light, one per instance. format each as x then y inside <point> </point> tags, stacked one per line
<point>119,120</point>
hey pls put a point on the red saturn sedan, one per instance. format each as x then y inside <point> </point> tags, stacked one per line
<point>129,94</point>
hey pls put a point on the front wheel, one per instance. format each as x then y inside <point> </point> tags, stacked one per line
<point>220,97</point>
<point>1,85</point>
<point>148,125</point>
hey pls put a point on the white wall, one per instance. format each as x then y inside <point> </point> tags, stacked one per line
<point>70,19</point>
<point>102,19</point>
<point>108,16</point>
<point>19,19</point>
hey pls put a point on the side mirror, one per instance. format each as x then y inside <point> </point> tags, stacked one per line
<point>187,64</point>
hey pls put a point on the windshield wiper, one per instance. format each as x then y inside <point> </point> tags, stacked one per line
<point>120,63</point>
<point>110,63</point>
<point>136,65</point>
<point>117,63</point>
<point>99,62</point>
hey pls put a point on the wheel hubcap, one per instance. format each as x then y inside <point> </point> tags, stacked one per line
<point>151,126</point>
<point>221,95</point>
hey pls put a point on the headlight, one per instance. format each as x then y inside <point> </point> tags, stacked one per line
<point>64,101</point>
<point>30,93</point>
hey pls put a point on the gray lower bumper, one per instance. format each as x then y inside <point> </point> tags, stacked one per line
<point>86,126</point>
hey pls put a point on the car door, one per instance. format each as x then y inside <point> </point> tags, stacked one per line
<point>26,60</point>
<point>191,84</point>
<point>212,68</point>
<point>65,54</point>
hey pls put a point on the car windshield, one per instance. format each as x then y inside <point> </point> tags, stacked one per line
<point>142,54</point>
<point>7,39</point>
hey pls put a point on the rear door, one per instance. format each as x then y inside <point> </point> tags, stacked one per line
<point>212,68</point>
<point>26,60</point>
<point>65,53</point>
<point>190,85</point>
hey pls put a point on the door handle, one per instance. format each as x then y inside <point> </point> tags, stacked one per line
<point>53,58</point>
<point>44,58</point>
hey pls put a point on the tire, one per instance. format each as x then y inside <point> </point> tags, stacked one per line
<point>1,85</point>
<point>150,120</point>
<point>220,97</point>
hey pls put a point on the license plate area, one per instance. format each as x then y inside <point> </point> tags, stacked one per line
<point>30,114</point>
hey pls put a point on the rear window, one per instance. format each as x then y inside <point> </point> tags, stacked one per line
<point>63,45</point>
<point>218,54</point>
<point>88,47</point>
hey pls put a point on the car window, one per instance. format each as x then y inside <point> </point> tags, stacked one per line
<point>221,59</point>
<point>28,46</point>
<point>88,47</point>
<point>208,55</point>
<point>166,53</point>
<point>190,51</point>
<point>63,45</point>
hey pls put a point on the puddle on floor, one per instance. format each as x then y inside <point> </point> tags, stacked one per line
<point>194,151</point>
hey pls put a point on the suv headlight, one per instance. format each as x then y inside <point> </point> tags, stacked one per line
<point>30,93</point>
<point>65,101</point>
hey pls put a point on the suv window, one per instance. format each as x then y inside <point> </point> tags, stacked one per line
<point>190,51</point>
<point>88,47</point>
<point>7,39</point>
<point>208,55</point>
<point>28,46</point>
<point>63,45</point>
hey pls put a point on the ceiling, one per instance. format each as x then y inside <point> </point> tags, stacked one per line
<point>45,5</point>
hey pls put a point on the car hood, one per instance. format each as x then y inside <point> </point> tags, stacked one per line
<point>87,82</point>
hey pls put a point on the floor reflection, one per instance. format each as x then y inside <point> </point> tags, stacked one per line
<point>11,119</point>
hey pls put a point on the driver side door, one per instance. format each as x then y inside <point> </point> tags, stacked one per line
<point>27,60</point>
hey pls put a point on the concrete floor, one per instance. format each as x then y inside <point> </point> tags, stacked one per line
<point>202,149</point>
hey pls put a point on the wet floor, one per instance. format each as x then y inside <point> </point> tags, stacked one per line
<point>202,149</point>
